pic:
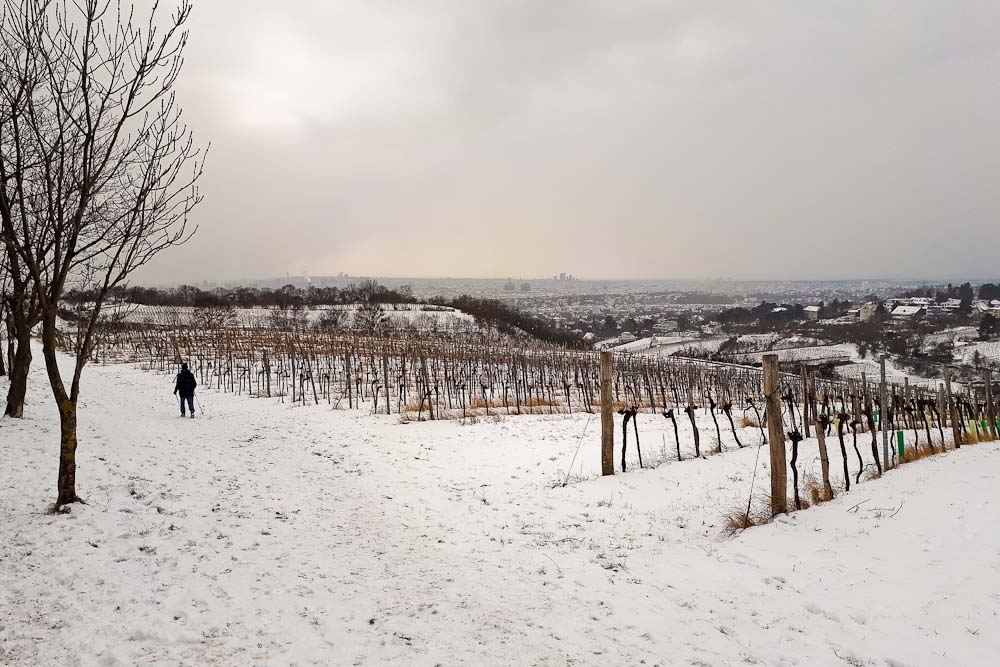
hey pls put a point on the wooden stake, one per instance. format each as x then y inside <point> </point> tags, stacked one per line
<point>775,429</point>
<point>805,401</point>
<point>991,416</point>
<point>824,458</point>
<point>956,427</point>
<point>607,416</point>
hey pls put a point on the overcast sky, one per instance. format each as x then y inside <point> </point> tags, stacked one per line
<point>609,139</point>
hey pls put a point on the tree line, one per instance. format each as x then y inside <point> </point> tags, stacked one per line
<point>490,312</point>
<point>289,296</point>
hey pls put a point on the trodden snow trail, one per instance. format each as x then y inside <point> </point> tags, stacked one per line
<point>266,534</point>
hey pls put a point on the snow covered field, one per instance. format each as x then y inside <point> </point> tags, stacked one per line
<point>261,534</point>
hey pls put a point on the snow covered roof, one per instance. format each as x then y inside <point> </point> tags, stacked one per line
<point>811,309</point>
<point>906,311</point>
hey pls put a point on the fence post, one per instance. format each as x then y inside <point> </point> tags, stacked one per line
<point>991,416</point>
<point>775,430</point>
<point>956,428</point>
<point>805,401</point>
<point>607,416</point>
<point>882,412</point>
<point>824,458</point>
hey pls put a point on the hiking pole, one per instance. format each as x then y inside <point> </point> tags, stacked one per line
<point>201,408</point>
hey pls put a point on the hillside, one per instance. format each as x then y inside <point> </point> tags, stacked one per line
<point>261,533</point>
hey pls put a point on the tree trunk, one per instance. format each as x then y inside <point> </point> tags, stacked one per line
<point>10,343</point>
<point>19,376</point>
<point>67,454</point>
<point>67,403</point>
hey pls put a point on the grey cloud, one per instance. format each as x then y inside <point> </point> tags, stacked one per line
<point>609,139</point>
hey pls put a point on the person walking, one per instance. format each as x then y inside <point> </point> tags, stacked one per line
<point>185,386</point>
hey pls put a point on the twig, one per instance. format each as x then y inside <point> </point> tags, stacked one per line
<point>569,471</point>
<point>859,504</point>
<point>553,562</point>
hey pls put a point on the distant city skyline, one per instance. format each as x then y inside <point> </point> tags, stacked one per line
<point>500,280</point>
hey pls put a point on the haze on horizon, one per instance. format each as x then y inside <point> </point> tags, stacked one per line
<point>631,140</point>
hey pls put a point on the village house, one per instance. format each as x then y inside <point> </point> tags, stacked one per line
<point>867,311</point>
<point>908,312</point>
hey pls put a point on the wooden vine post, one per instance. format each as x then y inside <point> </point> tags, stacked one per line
<point>775,429</point>
<point>607,416</point>
<point>883,412</point>
<point>956,427</point>
<point>991,416</point>
<point>824,458</point>
<point>805,400</point>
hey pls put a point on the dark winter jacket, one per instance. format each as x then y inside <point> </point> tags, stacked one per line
<point>185,383</point>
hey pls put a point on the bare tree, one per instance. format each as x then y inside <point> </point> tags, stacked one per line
<point>110,168</point>
<point>332,319</point>
<point>18,161</point>
<point>370,318</point>
<point>23,313</point>
<point>214,317</point>
<point>289,317</point>
<point>4,315</point>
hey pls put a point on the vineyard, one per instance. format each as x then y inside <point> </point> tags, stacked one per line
<point>426,377</point>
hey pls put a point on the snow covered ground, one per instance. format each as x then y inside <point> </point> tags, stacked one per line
<point>262,534</point>
<point>664,346</point>
<point>989,352</point>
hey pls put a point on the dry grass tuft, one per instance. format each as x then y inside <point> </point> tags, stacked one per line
<point>738,519</point>
<point>734,522</point>
<point>911,454</point>
<point>815,490</point>
<point>749,422</point>
<point>535,402</point>
<point>413,404</point>
<point>871,472</point>
<point>484,409</point>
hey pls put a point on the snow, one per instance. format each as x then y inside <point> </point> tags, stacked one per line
<point>989,351</point>
<point>811,350</point>
<point>668,345</point>
<point>264,534</point>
